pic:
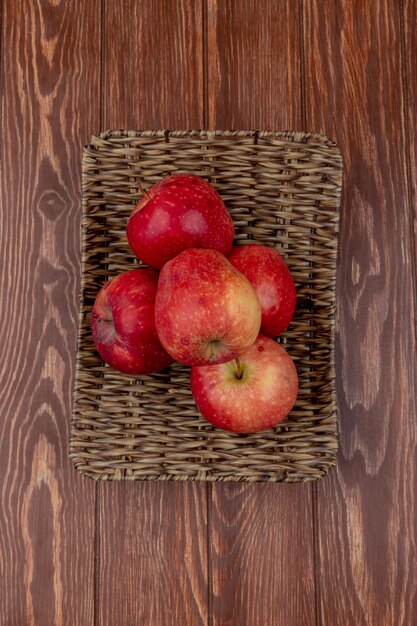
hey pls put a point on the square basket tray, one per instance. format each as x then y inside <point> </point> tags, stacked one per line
<point>282,189</point>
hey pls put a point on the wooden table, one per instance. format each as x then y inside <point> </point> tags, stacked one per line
<point>341,551</point>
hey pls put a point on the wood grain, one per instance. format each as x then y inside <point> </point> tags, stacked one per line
<point>51,89</point>
<point>154,555</point>
<point>153,552</point>
<point>153,64</point>
<point>167,554</point>
<point>367,508</point>
<point>409,17</point>
<point>262,556</point>
<point>254,72</point>
<point>261,535</point>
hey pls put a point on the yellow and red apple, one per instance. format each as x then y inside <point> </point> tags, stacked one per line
<point>205,310</point>
<point>252,393</point>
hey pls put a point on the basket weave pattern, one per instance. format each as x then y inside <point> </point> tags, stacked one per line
<point>283,190</point>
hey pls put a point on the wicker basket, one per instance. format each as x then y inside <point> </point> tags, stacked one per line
<point>283,190</point>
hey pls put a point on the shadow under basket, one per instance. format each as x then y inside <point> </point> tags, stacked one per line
<point>282,190</point>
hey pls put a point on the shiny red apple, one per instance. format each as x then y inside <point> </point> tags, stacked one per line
<point>179,212</point>
<point>267,271</point>
<point>205,310</point>
<point>252,393</point>
<point>123,324</point>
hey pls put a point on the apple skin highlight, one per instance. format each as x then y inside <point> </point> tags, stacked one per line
<point>205,310</point>
<point>254,394</point>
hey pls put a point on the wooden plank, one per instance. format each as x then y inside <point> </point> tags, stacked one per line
<point>153,554</point>
<point>409,16</point>
<point>262,535</point>
<point>262,555</point>
<point>154,64</point>
<point>254,76</point>
<point>153,536</point>
<point>367,508</point>
<point>49,106</point>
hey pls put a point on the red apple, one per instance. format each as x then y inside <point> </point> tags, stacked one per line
<point>205,310</point>
<point>123,324</point>
<point>254,392</point>
<point>179,212</point>
<point>267,272</point>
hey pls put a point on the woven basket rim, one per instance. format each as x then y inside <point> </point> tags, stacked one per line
<point>288,135</point>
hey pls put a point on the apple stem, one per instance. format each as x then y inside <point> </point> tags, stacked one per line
<point>238,368</point>
<point>105,319</point>
<point>143,190</point>
<point>212,354</point>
